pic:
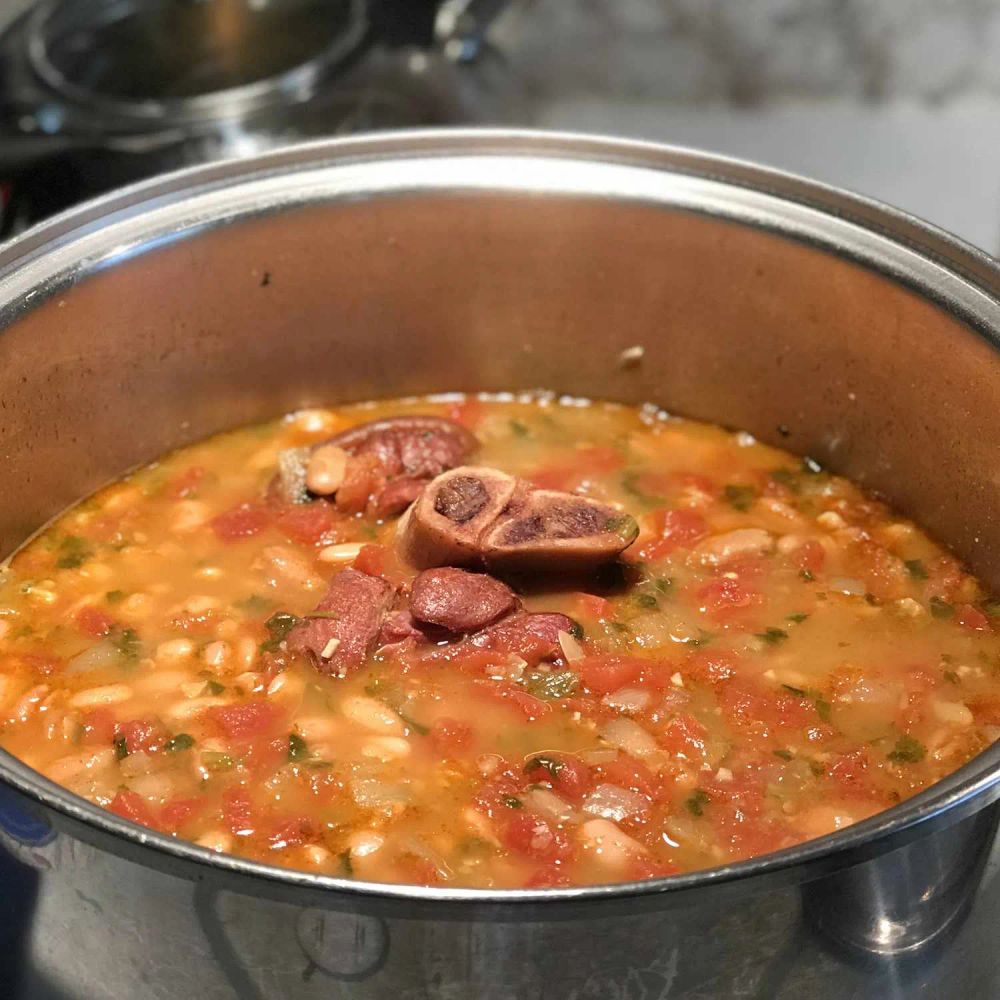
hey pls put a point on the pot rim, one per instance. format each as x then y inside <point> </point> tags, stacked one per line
<point>110,229</point>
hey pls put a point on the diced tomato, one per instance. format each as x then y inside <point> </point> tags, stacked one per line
<point>852,774</point>
<point>42,664</point>
<point>639,868</point>
<point>675,528</point>
<point>309,523</point>
<point>630,773</point>
<point>548,877</point>
<point>186,484</point>
<point>132,806</point>
<point>603,674</point>
<point>592,606</point>
<point>528,705</point>
<point>141,734</point>
<point>244,720</point>
<point>362,476</point>
<point>722,595</point>
<point>944,578</point>
<point>416,870</point>
<point>99,727</point>
<point>382,561</point>
<point>883,573</point>
<point>533,837</point>
<point>448,735</point>
<point>498,796</point>
<point>711,667</point>
<point>570,777</point>
<point>178,812</point>
<point>94,622</point>
<point>241,522</point>
<point>810,556</point>
<point>467,412</point>
<point>972,618</point>
<point>292,832</point>
<point>684,735</point>
<point>238,811</point>
<point>986,710</point>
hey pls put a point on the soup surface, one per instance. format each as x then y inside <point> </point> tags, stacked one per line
<point>251,662</point>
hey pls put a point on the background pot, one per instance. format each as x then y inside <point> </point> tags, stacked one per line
<point>436,261</point>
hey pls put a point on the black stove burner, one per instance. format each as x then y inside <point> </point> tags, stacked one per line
<point>98,93</point>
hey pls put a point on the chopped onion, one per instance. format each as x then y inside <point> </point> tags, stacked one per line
<point>846,585</point>
<point>103,654</point>
<point>598,755</point>
<point>630,737</point>
<point>370,793</point>
<point>627,699</point>
<point>547,804</point>
<point>615,803</point>
<point>572,650</point>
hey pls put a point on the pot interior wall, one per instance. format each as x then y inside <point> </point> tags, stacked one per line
<point>406,294</point>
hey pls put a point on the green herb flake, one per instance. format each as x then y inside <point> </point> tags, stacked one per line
<point>799,617</point>
<point>817,768</point>
<point>991,609</point>
<point>941,608</point>
<point>121,748</point>
<point>740,497</point>
<point>73,551</point>
<point>823,709</point>
<point>951,677</point>
<point>916,569</point>
<point>664,584</point>
<point>630,484</point>
<point>551,764</point>
<point>807,575</point>
<point>646,600</point>
<point>346,866</point>
<point>551,684</point>
<point>417,727</point>
<point>254,604</point>
<point>519,429</point>
<point>217,761</point>
<point>513,803</point>
<point>576,629</point>
<point>697,801</point>
<point>787,478</point>
<point>298,749</point>
<point>798,692</point>
<point>278,626</point>
<point>115,596</point>
<point>214,687</point>
<point>907,751</point>
<point>772,636</point>
<point>182,741</point>
<point>127,642</point>
<point>625,526</point>
<point>784,754</point>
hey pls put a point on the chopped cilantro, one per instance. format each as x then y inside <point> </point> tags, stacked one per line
<point>519,429</point>
<point>817,768</point>
<point>114,596</point>
<point>772,636</point>
<point>621,628</point>
<point>739,496</point>
<point>799,617</point>
<point>907,751</point>
<point>126,641</point>
<point>697,801</point>
<point>645,600</point>
<point>214,687</point>
<point>551,684</point>
<point>345,864</point>
<point>551,764</point>
<point>217,761</point>
<point>278,625</point>
<point>787,478</point>
<point>417,727</point>
<point>798,692</point>
<point>74,551</point>
<point>941,608</point>
<point>576,629</point>
<point>664,584</point>
<point>783,754</point>
<point>951,677</point>
<point>822,709</point>
<point>630,484</point>
<point>625,526</point>
<point>513,803</point>
<point>298,749</point>
<point>182,741</point>
<point>121,748</point>
<point>254,604</point>
<point>916,569</point>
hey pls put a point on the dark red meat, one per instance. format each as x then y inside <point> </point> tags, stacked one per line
<point>459,601</point>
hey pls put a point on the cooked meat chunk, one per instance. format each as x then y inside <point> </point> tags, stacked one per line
<point>444,526</point>
<point>289,484</point>
<point>522,633</point>
<point>343,630</point>
<point>459,601</point>
<point>550,530</point>
<point>479,517</point>
<point>396,496</point>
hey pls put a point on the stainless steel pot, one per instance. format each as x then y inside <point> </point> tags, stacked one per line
<point>484,260</point>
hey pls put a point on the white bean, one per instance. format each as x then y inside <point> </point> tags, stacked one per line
<point>174,650</point>
<point>74,766</point>
<point>108,694</point>
<point>372,715</point>
<point>216,840</point>
<point>326,469</point>
<point>386,748</point>
<point>724,548</point>
<point>608,843</point>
